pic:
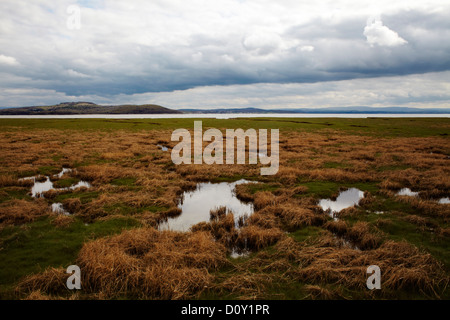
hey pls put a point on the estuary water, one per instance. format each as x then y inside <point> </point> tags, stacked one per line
<point>226,116</point>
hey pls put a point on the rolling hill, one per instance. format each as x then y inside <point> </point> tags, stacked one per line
<point>69,108</point>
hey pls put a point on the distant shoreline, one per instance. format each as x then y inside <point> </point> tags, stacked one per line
<point>229,116</point>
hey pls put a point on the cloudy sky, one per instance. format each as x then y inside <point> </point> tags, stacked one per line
<point>226,53</point>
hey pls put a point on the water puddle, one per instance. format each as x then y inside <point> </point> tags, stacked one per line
<point>346,199</point>
<point>63,171</point>
<point>163,148</point>
<point>58,208</point>
<point>79,184</point>
<point>196,205</point>
<point>410,193</point>
<point>407,192</point>
<point>239,253</point>
<point>39,188</point>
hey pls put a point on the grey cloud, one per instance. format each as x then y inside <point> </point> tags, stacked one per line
<point>122,50</point>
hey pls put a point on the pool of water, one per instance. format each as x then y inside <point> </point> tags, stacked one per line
<point>345,199</point>
<point>163,148</point>
<point>39,188</point>
<point>196,205</point>
<point>59,209</point>
<point>407,192</point>
<point>444,200</point>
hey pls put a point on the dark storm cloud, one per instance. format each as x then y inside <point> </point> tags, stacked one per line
<point>161,46</point>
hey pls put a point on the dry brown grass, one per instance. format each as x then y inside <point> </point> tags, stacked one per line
<point>151,264</point>
<point>145,263</point>
<point>142,263</point>
<point>359,234</point>
<point>256,238</point>
<point>18,211</point>
<point>50,282</point>
<point>403,266</point>
<point>62,221</point>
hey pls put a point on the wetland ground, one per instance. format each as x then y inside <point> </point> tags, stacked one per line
<point>294,249</point>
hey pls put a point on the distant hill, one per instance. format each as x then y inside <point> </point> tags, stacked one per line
<point>75,108</point>
<point>346,110</point>
<point>69,108</point>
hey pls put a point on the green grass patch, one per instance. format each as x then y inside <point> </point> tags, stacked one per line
<point>399,229</point>
<point>10,193</point>
<point>393,167</point>
<point>33,247</point>
<point>125,209</point>
<point>255,187</point>
<point>48,170</point>
<point>65,183</point>
<point>385,127</point>
<point>84,197</point>
<point>335,165</point>
<point>130,182</point>
<point>232,178</point>
<point>326,189</point>
<point>307,233</point>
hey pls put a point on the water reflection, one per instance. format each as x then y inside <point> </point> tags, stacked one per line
<point>163,148</point>
<point>59,209</point>
<point>407,192</point>
<point>346,199</point>
<point>63,171</point>
<point>41,187</point>
<point>196,205</point>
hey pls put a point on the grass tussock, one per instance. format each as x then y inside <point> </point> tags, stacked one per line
<point>255,238</point>
<point>293,241</point>
<point>17,211</point>
<point>359,234</point>
<point>62,221</point>
<point>404,267</point>
<point>50,282</point>
<point>149,264</point>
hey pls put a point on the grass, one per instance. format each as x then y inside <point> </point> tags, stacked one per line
<point>124,182</point>
<point>48,170</point>
<point>297,252</point>
<point>335,165</point>
<point>392,127</point>
<point>84,197</point>
<point>307,233</point>
<point>125,209</point>
<point>33,247</point>
<point>65,183</point>
<point>326,189</point>
<point>10,193</point>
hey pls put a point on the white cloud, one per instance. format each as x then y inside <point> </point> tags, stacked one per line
<point>6,60</point>
<point>306,48</point>
<point>378,34</point>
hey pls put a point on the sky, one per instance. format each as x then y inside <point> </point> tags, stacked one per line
<point>226,53</point>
